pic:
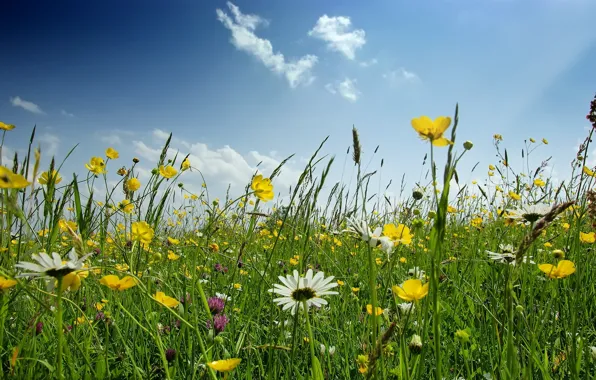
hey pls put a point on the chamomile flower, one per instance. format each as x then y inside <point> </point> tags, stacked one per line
<point>297,290</point>
<point>530,213</point>
<point>53,266</point>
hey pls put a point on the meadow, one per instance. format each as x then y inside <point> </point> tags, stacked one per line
<point>485,280</point>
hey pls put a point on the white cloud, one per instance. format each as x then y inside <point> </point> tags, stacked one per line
<point>111,139</point>
<point>28,106</point>
<point>336,31</point>
<point>64,113</point>
<point>243,38</point>
<point>401,75</point>
<point>49,144</point>
<point>346,88</point>
<point>369,63</point>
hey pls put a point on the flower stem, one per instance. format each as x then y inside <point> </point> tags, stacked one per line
<point>373,296</point>
<point>311,340</point>
<point>59,330</point>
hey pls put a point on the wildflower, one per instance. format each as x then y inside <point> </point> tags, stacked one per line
<point>133,184</point>
<point>468,145</point>
<point>71,281</point>
<point>262,187</point>
<point>545,141</point>
<point>513,195</point>
<point>417,272</point>
<point>297,290</point>
<point>362,362</point>
<point>539,182</point>
<point>142,232</point>
<point>166,301</point>
<point>172,256</point>
<point>593,352</point>
<point>52,266</point>
<point>463,336</point>
<point>122,171</point>
<point>415,344</point>
<point>558,254</point>
<point>214,247</point>
<point>115,283</point>
<point>589,237</point>
<point>411,290</point>
<point>6,127</point>
<point>497,137</point>
<point>398,234</point>
<point>432,130</point>
<point>96,165</point>
<point>185,164</point>
<point>170,354</point>
<point>6,284</point>
<point>406,307</point>
<point>10,180</point>
<point>219,323</point>
<point>167,172</point>
<point>216,305</point>
<point>112,153</point>
<point>562,270</point>
<point>369,310</point>
<point>126,206</point>
<point>530,213</point>
<point>46,178</point>
<point>226,365</point>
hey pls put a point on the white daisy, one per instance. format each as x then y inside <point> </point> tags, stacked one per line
<point>529,213</point>
<point>52,266</point>
<point>297,289</point>
<point>373,238</point>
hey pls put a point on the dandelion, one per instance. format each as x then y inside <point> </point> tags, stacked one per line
<point>432,130</point>
<point>411,290</point>
<point>10,180</point>
<point>563,269</point>
<point>307,291</point>
<point>46,178</point>
<point>115,283</point>
<point>262,187</point>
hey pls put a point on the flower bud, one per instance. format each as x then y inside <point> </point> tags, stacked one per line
<point>468,145</point>
<point>415,344</point>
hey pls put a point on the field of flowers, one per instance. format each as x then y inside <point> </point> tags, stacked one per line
<point>493,281</point>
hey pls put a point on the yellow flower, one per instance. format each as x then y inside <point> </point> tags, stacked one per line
<point>226,365</point>
<point>589,237</point>
<point>398,234</point>
<point>172,256</point>
<point>539,182</point>
<point>451,209</point>
<point>532,140</point>
<point>126,206</point>
<point>411,290</point>
<point>6,127</point>
<point>96,165</point>
<point>362,361</point>
<point>340,283</point>
<point>173,241</point>
<point>514,196</point>
<point>115,283</point>
<point>112,153</point>
<point>142,232</point>
<point>6,283</point>
<point>262,187</point>
<point>369,310</point>
<point>491,167</point>
<point>167,301</point>
<point>185,164</point>
<point>10,180</point>
<point>545,141</point>
<point>432,130</point>
<point>45,177</point>
<point>237,286</point>
<point>562,270</point>
<point>71,281</point>
<point>497,137</point>
<point>168,171</point>
<point>589,172</point>
<point>133,184</point>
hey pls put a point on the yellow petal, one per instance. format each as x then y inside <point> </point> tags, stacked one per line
<point>441,124</point>
<point>127,282</point>
<point>566,268</point>
<point>422,125</point>
<point>109,280</point>
<point>412,286</point>
<point>546,268</point>
<point>441,142</point>
<point>401,293</point>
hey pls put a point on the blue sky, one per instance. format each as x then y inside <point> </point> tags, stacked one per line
<point>125,74</point>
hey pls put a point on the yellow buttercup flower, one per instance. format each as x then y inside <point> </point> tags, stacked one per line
<point>142,232</point>
<point>6,127</point>
<point>167,301</point>
<point>369,310</point>
<point>115,283</point>
<point>262,187</point>
<point>589,237</point>
<point>432,130</point>
<point>539,182</point>
<point>112,153</point>
<point>514,196</point>
<point>10,180</point>
<point>167,171</point>
<point>96,165</point>
<point>46,177</point>
<point>6,283</point>
<point>589,172</point>
<point>185,164</point>
<point>126,206</point>
<point>562,270</point>
<point>411,290</point>
<point>398,234</point>
<point>133,184</point>
<point>226,365</point>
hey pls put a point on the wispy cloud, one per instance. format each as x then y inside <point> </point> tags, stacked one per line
<point>49,144</point>
<point>346,88</point>
<point>26,105</point>
<point>401,75</point>
<point>336,31</point>
<point>243,28</point>
<point>64,113</point>
<point>369,63</point>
